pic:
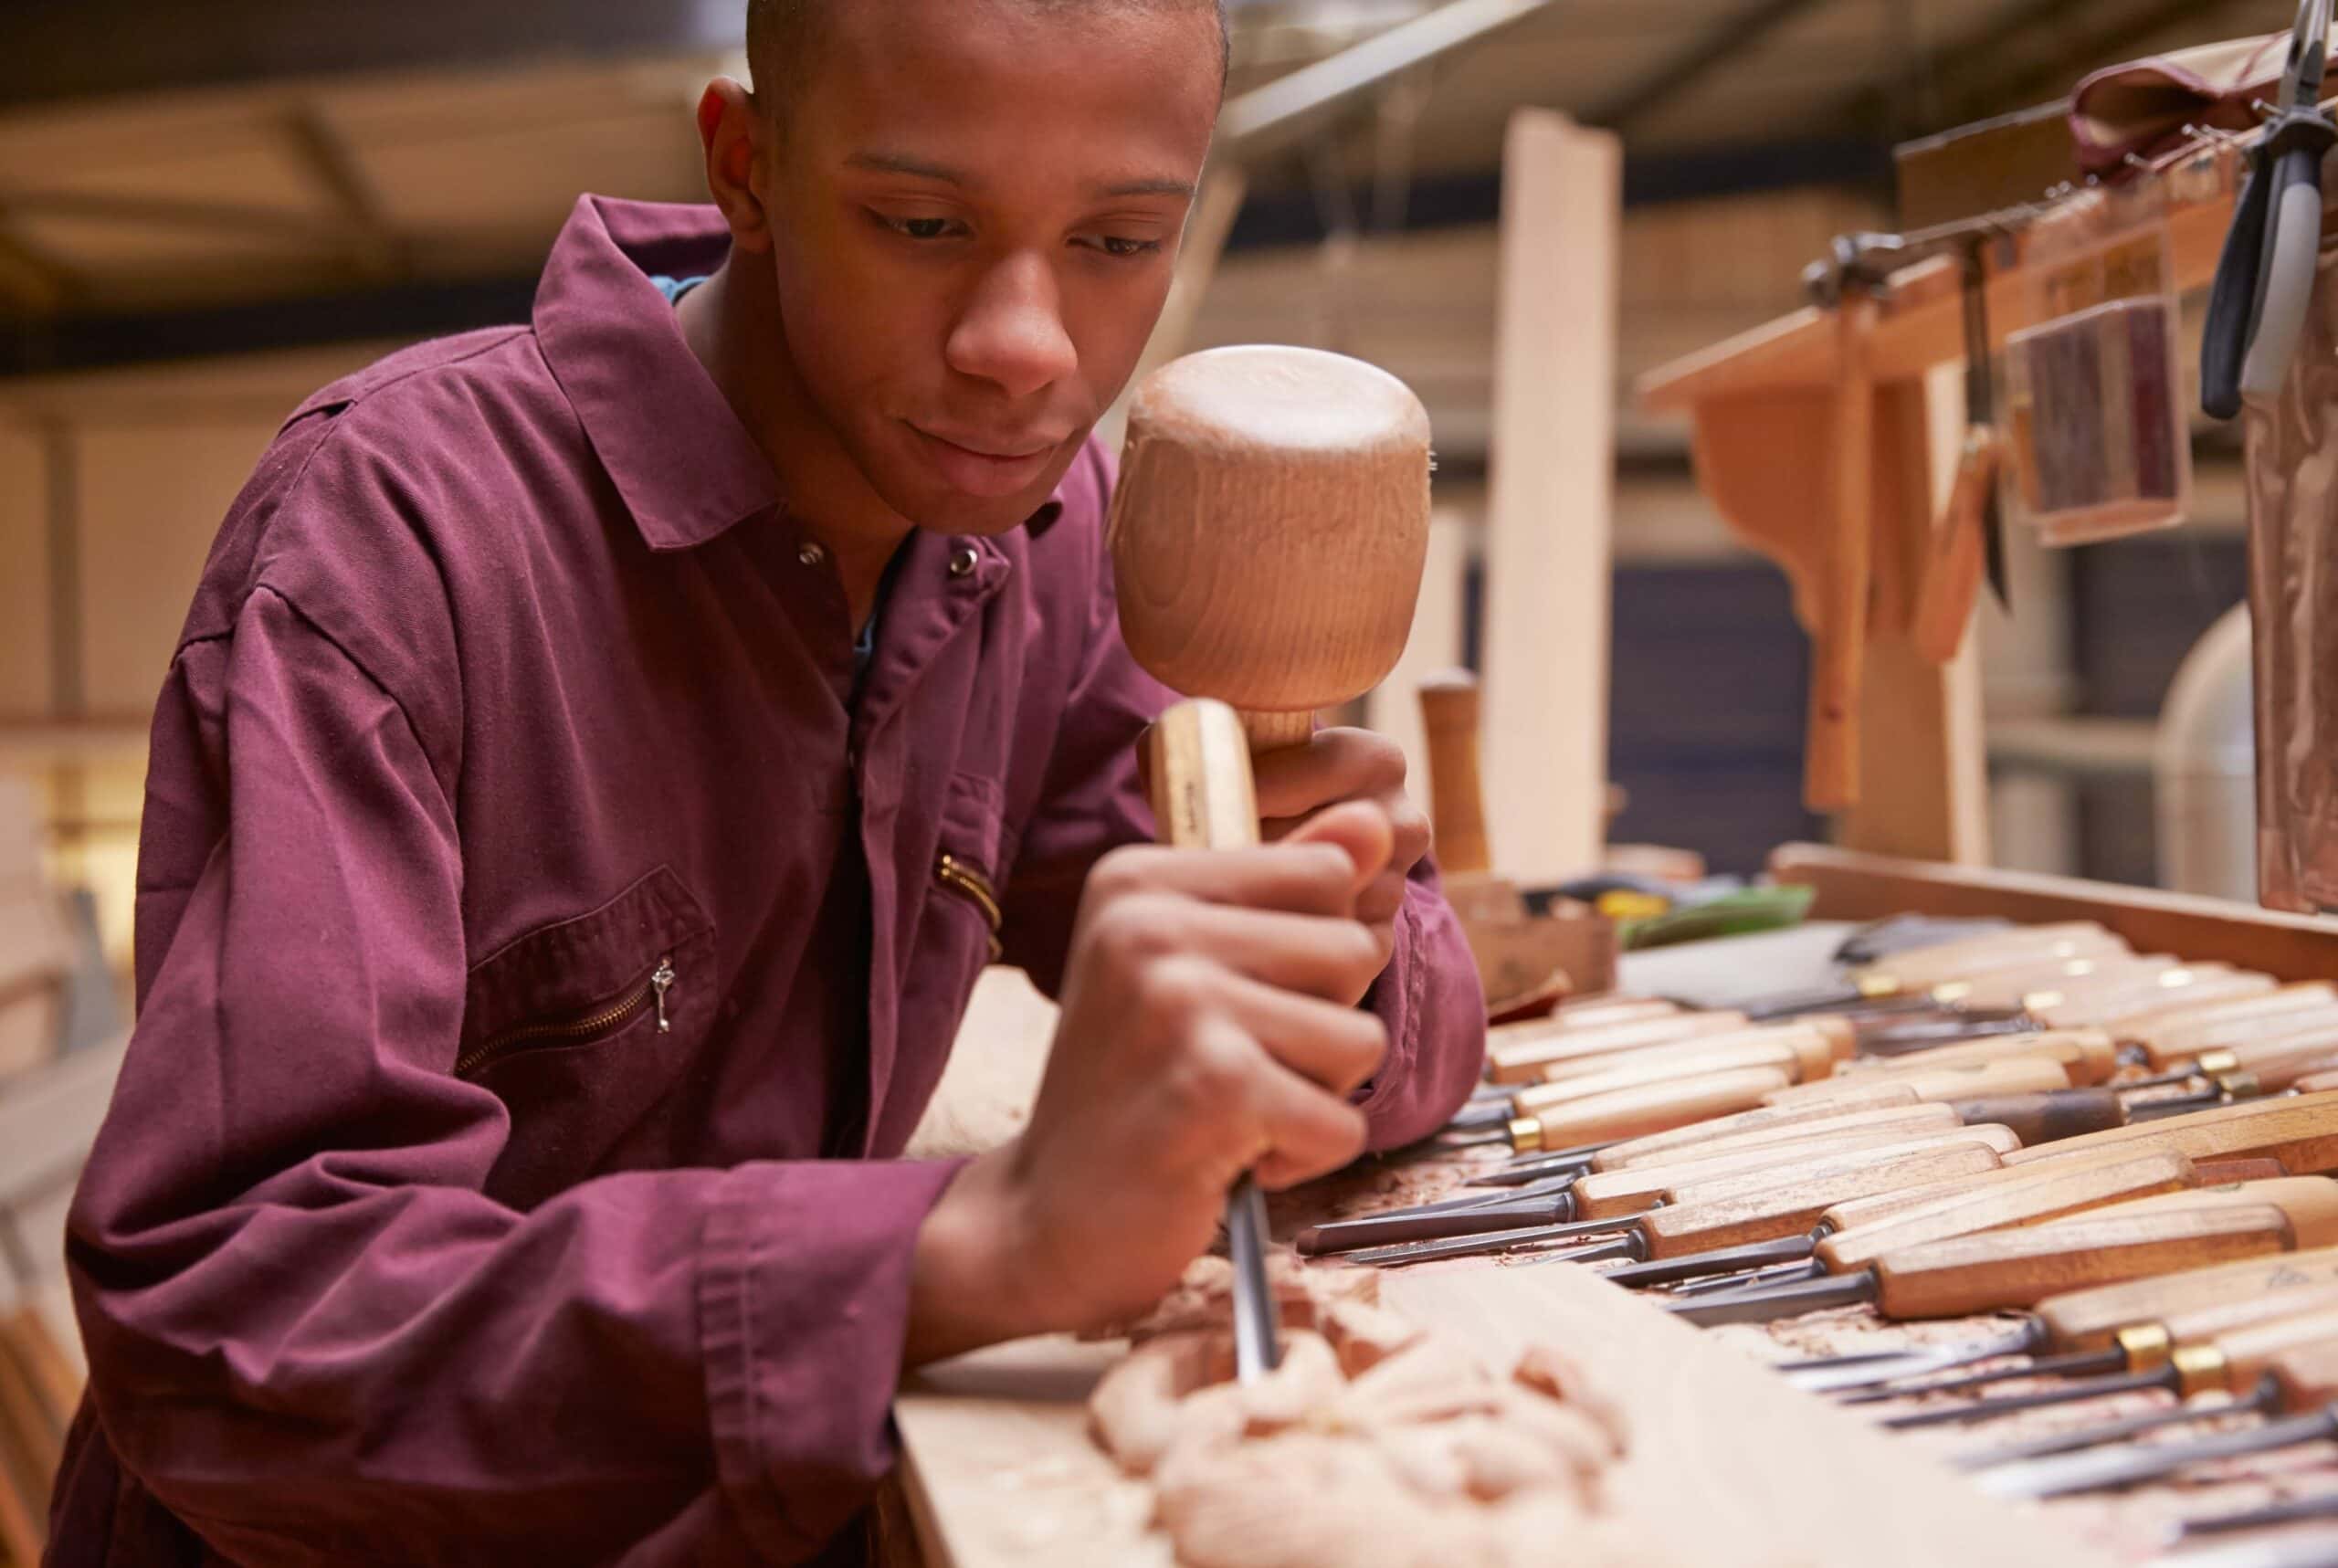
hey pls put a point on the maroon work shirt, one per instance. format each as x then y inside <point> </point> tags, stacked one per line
<point>464,1196</point>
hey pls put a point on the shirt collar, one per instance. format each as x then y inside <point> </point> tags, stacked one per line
<point>686,467</point>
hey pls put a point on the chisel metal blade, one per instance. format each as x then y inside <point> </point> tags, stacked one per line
<point>1721,1260</point>
<point>1759,1278</point>
<point>1480,1244</point>
<point>2009,1403</point>
<point>2313,1549</point>
<point>1836,1373</point>
<point>1905,1037</point>
<point>1783,1302</point>
<point>2078,1363</point>
<point>2295,1510</point>
<point>2105,1470</point>
<point>1432,1225</point>
<point>1566,1161</point>
<point>2261,1403</point>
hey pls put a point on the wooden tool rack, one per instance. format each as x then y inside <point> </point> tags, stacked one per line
<point>1826,440</point>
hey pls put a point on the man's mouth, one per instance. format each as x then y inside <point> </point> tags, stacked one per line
<point>985,465</point>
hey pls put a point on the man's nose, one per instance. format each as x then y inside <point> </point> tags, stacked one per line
<point>1011,333</point>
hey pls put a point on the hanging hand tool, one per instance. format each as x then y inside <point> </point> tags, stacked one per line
<point>2226,1363</point>
<point>1754,1205</point>
<point>2082,1319</point>
<point>1968,537</point>
<point>2305,1381</point>
<point>2265,278</point>
<point>1852,1235</point>
<point>1199,770</point>
<point>2006,1269</point>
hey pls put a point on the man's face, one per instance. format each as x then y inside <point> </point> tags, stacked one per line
<point>976,213</point>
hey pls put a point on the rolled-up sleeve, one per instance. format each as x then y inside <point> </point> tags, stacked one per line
<point>1094,801</point>
<point>311,1334</point>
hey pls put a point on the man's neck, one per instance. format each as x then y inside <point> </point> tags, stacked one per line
<point>732,322</point>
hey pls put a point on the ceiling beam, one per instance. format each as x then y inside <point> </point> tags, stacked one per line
<point>61,50</point>
<point>1725,43</point>
<point>380,252</point>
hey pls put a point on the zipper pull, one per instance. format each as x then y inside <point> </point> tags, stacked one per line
<point>661,981</point>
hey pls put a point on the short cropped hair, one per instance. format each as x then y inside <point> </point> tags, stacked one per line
<point>784,36</point>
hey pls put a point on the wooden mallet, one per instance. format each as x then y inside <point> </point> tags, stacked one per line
<point>1267,535</point>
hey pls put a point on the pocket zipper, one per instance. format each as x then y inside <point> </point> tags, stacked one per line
<point>601,1021</point>
<point>959,877</point>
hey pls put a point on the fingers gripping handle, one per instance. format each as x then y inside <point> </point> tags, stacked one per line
<point>1203,799</point>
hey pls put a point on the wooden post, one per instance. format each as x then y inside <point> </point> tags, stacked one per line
<point>1393,707</point>
<point>1553,480</point>
<point>1924,764</point>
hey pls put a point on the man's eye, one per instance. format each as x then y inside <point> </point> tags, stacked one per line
<point>1116,245</point>
<point>916,227</point>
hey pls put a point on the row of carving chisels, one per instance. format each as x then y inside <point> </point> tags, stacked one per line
<point>2134,1152</point>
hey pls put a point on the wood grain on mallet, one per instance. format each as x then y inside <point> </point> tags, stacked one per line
<point>1268,529</point>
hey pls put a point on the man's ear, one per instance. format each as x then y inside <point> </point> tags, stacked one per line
<point>732,129</point>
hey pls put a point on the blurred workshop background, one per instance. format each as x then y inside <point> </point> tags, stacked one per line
<point>209,207</point>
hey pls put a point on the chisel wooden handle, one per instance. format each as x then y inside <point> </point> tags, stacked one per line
<point>1998,1201</point>
<point>2091,1319</point>
<point>1653,1107</point>
<point>2000,1271</point>
<point>1604,1194</point>
<point>1593,1013</point>
<point>2186,983</point>
<point>2206,999</point>
<point>2167,1039</point>
<point>2311,1201</point>
<point>2301,1132</point>
<point>2277,1063</point>
<point>1704,1219</point>
<point>2308,1376</point>
<point>2087,1056</point>
<point>1450,713</point>
<point>2023,1075</point>
<point>1814,1052</point>
<point>1908,1118</point>
<point>2232,1362</point>
<point>1763,1123</point>
<point>1974,954</point>
<point>1522,1059</point>
<point>1792,1057</point>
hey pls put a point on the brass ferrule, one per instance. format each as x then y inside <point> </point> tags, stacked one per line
<point>2238,1085</point>
<point>2211,1064</point>
<point>2199,1369</point>
<point>2146,1346</point>
<point>1526,1135</point>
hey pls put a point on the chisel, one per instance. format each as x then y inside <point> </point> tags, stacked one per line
<point>2019,1075</point>
<point>1521,1058</point>
<point>1883,1036</point>
<point>2304,1381</point>
<point>2275,1059</point>
<point>1920,969</point>
<point>1986,1080</point>
<point>1614,1195</point>
<point>1203,798</point>
<point>1802,1054</point>
<point>2292,1511</point>
<point>2003,1271</point>
<point>2083,1319</point>
<point>2148,994</point>
<point>2167,1038</point>
<point>2226,1363</point>
<point>2090,1056</point>
<point>1851,1236</point>
<point>1748,1208</point>
<point>1629,1112</point>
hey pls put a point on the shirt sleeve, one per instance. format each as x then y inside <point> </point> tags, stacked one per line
<point>311,1335</point>
<point>1429,996</point>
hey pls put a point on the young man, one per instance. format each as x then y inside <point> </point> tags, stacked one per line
<point>601,755</point>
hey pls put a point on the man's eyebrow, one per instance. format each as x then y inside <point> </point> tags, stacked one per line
<point>917,168</point>
<point>1154,187</point>
<point>902,164</point>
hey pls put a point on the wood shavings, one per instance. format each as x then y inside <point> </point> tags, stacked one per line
<point>1375,1444</point>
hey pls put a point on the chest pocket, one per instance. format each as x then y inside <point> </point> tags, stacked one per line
<point>580,1027</point>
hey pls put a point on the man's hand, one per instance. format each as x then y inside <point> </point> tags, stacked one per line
<point>1296,784</point>
<point>1209,1028</point>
